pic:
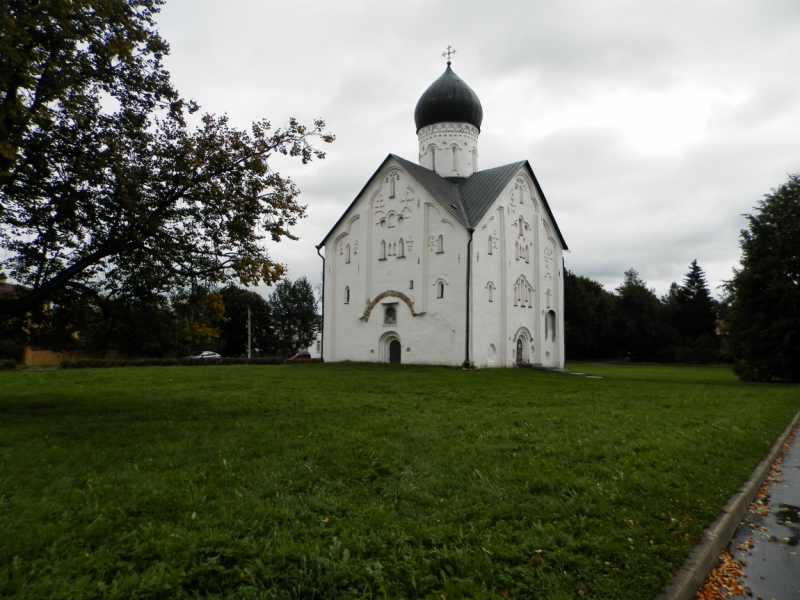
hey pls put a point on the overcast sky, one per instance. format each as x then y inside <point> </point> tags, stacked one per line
<point>651,126</point>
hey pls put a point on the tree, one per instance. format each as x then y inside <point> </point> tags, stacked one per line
<point>764,315</point>
<point>102,181</point>
<point>294,313</point>
<point>233,337</point>
<point>588,309</point>
<point>696,315</point>
<point>637,323</point>
<point>200,312</point>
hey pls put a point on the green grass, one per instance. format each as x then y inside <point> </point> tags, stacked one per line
<point>358,481</point>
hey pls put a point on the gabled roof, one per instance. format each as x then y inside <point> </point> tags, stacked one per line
<point>467,199</point>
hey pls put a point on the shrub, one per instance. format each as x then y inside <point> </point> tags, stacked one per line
<point>7,364</point>
<point>97,363</point>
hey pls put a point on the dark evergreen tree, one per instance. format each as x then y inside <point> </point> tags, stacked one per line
<point>588,309</point>
<point>233,339</point>
<point>638,320</point>
<point>294,312</point>
<point>691,319</point>
<point>697,314</point>
<point>764,315</point>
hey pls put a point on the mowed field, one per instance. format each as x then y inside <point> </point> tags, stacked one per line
<point>362,481</point>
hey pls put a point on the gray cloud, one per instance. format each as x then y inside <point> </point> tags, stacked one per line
<point>651,126</point>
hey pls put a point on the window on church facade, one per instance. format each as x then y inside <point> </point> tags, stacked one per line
<point>490,244</point>
<point>347,295</point>
<point>440,289</point>
<point>391,186</point>
<point>550,325</point>
<point>383,250</point>
<point>347,254</point>
<point>392,220</point>
<point>491,292</point>
<point>390,315</point>
<point>474,160</point>
<point>440,244</point>
<point>401,249</point>
<point>433,157</point>
<point>411,284</point>
<point>455,159</point>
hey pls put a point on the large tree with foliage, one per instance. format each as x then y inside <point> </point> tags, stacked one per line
<point>588,309</point>
<point>294,314</point>
<point>638,321</point>
<point>233,337</point>
<point>102,180</point>
<point>764,315</point>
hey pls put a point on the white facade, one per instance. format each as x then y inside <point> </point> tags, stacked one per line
<point>440,263</point>
<point>396,269</point>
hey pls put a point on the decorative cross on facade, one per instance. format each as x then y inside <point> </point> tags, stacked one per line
<point>448,54</point>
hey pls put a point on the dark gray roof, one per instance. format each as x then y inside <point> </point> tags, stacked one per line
<point>481,189</point>
<point>467,199</point>
<point>448,100</point>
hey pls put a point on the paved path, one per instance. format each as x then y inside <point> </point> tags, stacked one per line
<point>768,544</point>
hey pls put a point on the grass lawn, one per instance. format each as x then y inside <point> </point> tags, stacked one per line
<point>359,481</point>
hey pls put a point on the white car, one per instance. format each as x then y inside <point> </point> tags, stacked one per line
<point>207,355</point>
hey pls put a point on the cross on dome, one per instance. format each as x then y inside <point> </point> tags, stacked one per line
<point>448,54</point>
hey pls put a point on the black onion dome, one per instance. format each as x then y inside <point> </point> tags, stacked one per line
<point>448,100</point>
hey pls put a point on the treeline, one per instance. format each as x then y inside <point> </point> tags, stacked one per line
<point>151,325</point>
<point>633,322</point>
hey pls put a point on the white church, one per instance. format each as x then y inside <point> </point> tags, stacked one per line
<point>442,263</point>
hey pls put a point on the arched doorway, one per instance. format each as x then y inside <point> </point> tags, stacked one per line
<point>520,351</point>
<point>394,352</point>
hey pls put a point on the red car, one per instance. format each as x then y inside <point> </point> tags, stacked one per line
<point>303,355</point>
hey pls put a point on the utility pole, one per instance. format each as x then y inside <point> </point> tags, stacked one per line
<point>248,332</point>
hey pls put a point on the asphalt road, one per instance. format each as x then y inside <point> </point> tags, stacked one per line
<point>768,543</point>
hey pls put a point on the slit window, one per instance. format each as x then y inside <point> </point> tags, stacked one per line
<point>347,295</point>
<point>401,249</point>
<point>440,244</point>
<point>347,254</point>
<point>440,289</point>
<point>383,250</point>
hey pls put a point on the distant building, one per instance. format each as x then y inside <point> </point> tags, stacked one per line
<point>442,263</point>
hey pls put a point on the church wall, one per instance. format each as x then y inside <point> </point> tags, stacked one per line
<point>393,233</point>
<point>522,269</point>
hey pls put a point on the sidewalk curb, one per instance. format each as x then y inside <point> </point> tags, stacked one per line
<point>691,576</point>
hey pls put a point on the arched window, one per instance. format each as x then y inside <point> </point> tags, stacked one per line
<point>391,186</point>
<point>521,226</point>
<point>440,244</point>
<point>491,292</point>
<point>433,158</point>
<point>392,220</point>
<point>401,249</point>
<point>347,254</point>
<point>527,254</point>
<point>347,295</point>
<point>390,315</point>
<point>440,289</point>
<point>474,160</point>
<point>516,294</point>
<point>516,251</point>
<point>455,159</point>
<point>383,250</point>
<point>550,325</point>
<point>490,244</point>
